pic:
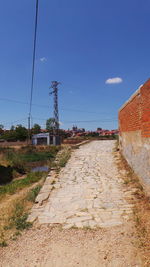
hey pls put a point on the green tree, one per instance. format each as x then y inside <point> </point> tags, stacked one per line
<point>50,124</point>
<point>12,128</point>
<point>9,136</point>
<point>1,128</point>
<point>36,128</point>
<point>21,133</point>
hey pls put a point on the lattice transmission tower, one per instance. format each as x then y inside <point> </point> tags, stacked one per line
<point>54,86</point>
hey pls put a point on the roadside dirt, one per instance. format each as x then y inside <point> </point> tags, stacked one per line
<point>44,246</point>
<point>141,208</point>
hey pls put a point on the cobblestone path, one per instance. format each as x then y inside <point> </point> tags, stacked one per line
<point>88,192</point>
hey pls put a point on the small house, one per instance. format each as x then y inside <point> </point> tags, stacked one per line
<point>45,139</point>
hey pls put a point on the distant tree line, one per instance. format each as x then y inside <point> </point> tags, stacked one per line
<point>20,133</point>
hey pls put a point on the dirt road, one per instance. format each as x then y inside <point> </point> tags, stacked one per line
<point>87,220</point>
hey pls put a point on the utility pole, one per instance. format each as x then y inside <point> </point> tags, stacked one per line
<point>33,68</point>
<point>56,114</point>
<point>29,129</point>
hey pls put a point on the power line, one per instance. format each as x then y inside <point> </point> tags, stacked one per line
<point>22,102</point>
<point>46,106</point>
<point>12,122</point>
<point>106,120</point>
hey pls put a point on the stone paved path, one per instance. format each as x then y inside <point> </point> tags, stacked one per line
<point>88,192</point>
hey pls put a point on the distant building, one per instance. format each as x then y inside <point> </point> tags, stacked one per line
<point>99,129</point>
<point>104,132</point>
<point>75,129</point>
<point>45,139</point>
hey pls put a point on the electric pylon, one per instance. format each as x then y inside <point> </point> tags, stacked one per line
<point>56,114</point>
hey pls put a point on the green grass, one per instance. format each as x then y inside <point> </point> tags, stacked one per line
<point>14,186</point>
<point>19,218</point>
<point>19,159</point>
<point>21,222</point>
<point>64,158</point>
<point>38,156</point>
<point>20,162</point>
<point>33,193</point>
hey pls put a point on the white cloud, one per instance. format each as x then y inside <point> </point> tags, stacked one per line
<point>43,59</point>
<point>114,80</point>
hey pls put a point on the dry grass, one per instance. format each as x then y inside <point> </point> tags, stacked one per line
<point>142,208</point>
<point>14,210</point>
<point>62,158</point>
<point>15,207</point>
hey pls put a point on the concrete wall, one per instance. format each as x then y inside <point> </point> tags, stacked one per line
<point>134,125</point>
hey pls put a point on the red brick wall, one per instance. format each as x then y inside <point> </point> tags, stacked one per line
<point>145,106</point>
<point>135,115</point>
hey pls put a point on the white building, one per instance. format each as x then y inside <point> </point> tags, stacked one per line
<point>45,139</point>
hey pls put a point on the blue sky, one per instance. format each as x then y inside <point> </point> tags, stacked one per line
<point>80,43</point>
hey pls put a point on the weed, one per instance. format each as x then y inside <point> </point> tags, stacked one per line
<point>140,187</point>
<point>64,157</point>
<point>126,181</point>
<point>61,159</point>
<point>14,238</point>
<point>17,233</point>
<point>137,219</point>
<point>3,244</point>
<point>7,227</point>
<point>21,222</point>
<point>74,227</point>
<point>84,210</point>
<point>86,228</point>
<point>33,193</point>
<point>19,218</point>
<point>116,147</point>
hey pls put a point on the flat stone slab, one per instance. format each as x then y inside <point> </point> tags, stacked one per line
<point>87,193</point>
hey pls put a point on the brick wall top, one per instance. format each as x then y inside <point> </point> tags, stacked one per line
<point>135,113</point>
<point>130,99</point>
